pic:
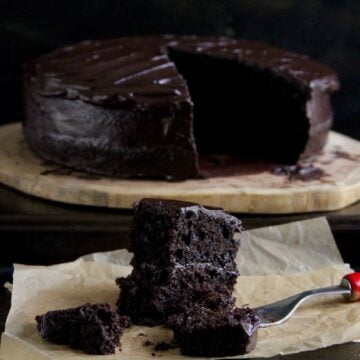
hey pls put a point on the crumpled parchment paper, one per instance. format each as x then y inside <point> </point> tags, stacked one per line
<point>275,262</point>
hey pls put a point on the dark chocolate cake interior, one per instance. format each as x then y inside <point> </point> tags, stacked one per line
<point>242,110</point>
<point>204,235</point>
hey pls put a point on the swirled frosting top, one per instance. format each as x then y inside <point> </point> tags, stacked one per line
<point>139,68</point>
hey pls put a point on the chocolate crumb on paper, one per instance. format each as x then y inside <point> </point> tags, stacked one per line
<point>148,343</point>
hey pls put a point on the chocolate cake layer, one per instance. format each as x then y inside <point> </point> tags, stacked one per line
<point>149,295</point>
<point>123,107</point>
<point>169,232</point>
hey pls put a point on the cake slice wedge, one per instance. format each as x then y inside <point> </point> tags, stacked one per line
<point>182,253</point>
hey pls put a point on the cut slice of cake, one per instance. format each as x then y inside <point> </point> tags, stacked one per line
<point>183,252</point>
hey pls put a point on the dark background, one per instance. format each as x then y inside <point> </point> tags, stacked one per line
<point>328,30</point>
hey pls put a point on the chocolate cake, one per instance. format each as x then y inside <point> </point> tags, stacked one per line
<point>95,329</point>
<point>147,106</point>
<point>202,331</point>
<point>183,253</point>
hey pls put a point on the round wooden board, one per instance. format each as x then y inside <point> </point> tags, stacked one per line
<point>259,192</point>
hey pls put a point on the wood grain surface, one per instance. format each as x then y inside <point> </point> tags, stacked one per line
<point>258,191</point>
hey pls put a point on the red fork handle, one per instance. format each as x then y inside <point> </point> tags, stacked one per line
<point>352,281</point>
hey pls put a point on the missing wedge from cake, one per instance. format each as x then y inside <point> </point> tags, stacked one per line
<point>166,99</point>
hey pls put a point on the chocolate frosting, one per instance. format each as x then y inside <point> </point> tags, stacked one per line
<point>139,69</point>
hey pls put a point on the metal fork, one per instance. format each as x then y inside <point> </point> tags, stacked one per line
<point>278,312</point>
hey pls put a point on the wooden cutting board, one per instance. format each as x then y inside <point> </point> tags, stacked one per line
<point>252,189</point>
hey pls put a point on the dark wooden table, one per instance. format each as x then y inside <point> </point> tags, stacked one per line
<point>36,231</point>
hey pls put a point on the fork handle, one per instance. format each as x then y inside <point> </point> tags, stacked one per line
<point>352,282</point>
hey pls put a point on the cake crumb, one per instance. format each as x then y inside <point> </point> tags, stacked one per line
<point>148,343</point>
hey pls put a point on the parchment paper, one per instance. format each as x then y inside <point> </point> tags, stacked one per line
<point>283,260</point>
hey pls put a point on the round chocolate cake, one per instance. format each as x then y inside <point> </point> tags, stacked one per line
<point>147,106</point>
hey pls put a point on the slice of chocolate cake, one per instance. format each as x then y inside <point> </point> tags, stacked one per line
<point>146,106</point>
<point>223,331</point>
<point>94,329</point>
<point>183,252</point>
